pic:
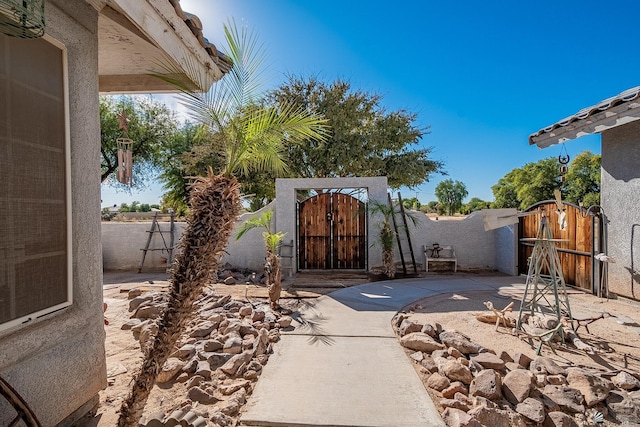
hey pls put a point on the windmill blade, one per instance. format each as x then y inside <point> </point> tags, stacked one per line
<point>558,195</point>
<point>496,218</point>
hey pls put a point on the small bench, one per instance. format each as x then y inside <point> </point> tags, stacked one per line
<point>437,253</point>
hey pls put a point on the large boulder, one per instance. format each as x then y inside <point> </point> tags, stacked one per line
<point>594,388</point>
<point>487,384</point>
<point>419,341</point>
<point>460,342</point>
<point>516,385</point>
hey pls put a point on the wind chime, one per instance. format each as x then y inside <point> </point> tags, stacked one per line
<point>125,151</point>
<point>564,161</point>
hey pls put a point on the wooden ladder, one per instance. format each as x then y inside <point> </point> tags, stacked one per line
<point>406,229</point>
<point>155,228</point>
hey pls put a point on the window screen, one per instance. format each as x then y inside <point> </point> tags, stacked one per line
<point>34,247</point>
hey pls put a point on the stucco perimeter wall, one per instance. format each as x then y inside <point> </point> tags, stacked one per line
<point>122,243</point>
<point>475,248</point>
<point>57,363</point>
<point>621,203</point>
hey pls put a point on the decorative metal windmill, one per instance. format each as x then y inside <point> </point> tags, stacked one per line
<point>125,152</point>
<point>545,288</point>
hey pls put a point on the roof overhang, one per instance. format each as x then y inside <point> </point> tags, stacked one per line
<point>610,113</point>
<point>139,38</point>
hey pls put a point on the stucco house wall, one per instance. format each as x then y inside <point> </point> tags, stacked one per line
<point>620,200</point>
<point>57,363</point>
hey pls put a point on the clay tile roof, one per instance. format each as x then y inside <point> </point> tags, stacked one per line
<point>195,25</point>
<point>591,119</point>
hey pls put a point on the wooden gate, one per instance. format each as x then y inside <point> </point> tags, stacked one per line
<point>332,233</point>
<point>576,255</point>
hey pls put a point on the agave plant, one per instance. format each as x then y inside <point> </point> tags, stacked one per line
<point>272,241</point>
<point>250,137</point>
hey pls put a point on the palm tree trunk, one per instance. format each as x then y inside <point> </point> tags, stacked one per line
<point>215,205</point>
<point>274,279</point>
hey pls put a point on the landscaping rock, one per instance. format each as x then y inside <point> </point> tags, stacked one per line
<point>559,419</point>
<point>438,382</point>
<point>625,381</point>
<point>235,402</point>
<point>456,371</point>
<point>285,321</point>
<point>409,326</point>
<point>137,301</point>
<point>169,370</point>
<point>623,407</point>
<point>233,345</point>
<point>491,416</point>
<point>487,384</point>
<point>562,398</point>
<point>489,361</point>
<point>516,385</point>
<point>522,360</point>
<point>531,408</point>
<point>233,365</point>
<point>545,365</point>
<point>212,345</point>
<point>454,388</point>
<point>199,395</point>
<point>419,341</point>
<point>460,342</point>
<point>457,418</point>
<point>418,356</point>
<point>203,329</point>
<point>187,351</point>
<point>428,363</point>
<point>453,403</point>
<point>429,330</point>
<point>257,316</point>
<point>594,388</point>
<point>245,310</point>
<point>216,360</point>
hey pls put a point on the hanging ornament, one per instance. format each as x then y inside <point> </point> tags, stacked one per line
<point>563,160</point>
<point>125,152</point>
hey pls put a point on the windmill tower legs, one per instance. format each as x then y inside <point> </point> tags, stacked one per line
<point>545,289</point>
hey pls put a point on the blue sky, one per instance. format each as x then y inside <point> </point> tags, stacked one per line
<point>482,75</point>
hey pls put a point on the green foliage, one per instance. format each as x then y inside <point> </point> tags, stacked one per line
<point>450,194</point>
<point>535,182</point>
<point>151,126</point>
<point>247,135</point>
<point>364,139</point>
<point>475,204</point>
<point>583,179</point>
<point>272,240</point>
<point>412,203</point>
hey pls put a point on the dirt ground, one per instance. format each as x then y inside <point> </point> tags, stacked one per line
<point>618,338</point>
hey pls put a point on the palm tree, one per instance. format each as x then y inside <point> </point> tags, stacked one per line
<point>250,137</point>
<point>272,243</point>
<point>387,235</point>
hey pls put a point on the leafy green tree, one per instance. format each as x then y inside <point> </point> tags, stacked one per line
<point>124,208</point>
<point>144,207</point>
<point>536,181</point>
<point>505,193</point>
<point>476,204</point>
<point>151,126</point>
<point>583,179</point>
<point>450,194</point>
<point>364,139</point>
<point>412,203</point>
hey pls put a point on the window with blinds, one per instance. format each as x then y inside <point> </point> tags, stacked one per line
<point>35,263</point>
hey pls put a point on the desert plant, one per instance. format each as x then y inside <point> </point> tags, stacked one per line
<point>272,241</point>
<point>387,234</point>
<point>249,137</point>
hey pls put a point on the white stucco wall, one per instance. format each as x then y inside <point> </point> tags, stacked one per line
<point>620,199</point>
<point>57,363</point>
<point>475,248</point>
